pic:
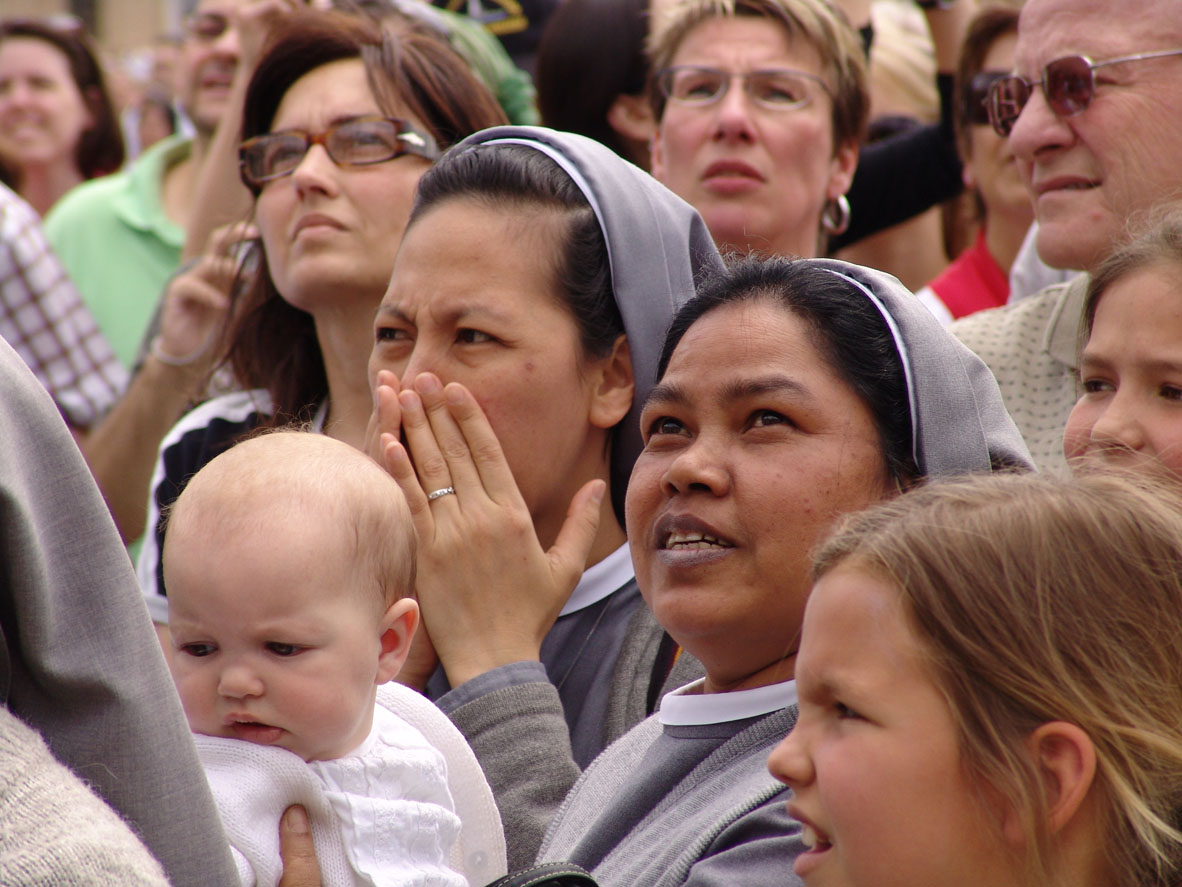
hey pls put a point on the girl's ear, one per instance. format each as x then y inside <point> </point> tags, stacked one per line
<point>614,386</point>
<point>398,630</point>
<point>1066,761</point>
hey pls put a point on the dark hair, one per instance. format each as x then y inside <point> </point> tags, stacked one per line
<point>591,52</point>
<point>272,344</point>
<point>518,176</point>
<point>847,330</point>
<point>986,28</point>
<point>99,151</point>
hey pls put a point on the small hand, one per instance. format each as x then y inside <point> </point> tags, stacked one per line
<point>255,21</point>
<point>197,300</point>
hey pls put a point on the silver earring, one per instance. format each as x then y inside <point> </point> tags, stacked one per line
<point>835,217</point>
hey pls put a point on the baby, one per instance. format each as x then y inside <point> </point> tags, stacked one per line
<point>287,560</point>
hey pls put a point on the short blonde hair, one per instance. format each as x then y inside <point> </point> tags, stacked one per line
<point>1038,599</point>
<point>817,22</point>
<point>294,469</point>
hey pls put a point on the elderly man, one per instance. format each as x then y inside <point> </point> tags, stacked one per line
<point>1094,118</point>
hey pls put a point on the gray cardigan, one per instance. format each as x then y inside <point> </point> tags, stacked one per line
<point>520,736</point>
<point>698,822</point>
<point>55,830</point>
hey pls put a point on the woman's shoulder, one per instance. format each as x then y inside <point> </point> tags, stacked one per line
<point>199,436</point>
<point>215,424</point>
<point>727,792</point>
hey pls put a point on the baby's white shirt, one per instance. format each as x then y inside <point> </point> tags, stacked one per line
<point>381,815</point>
<point>391,801</point>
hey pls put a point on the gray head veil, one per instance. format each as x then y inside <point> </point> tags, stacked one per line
<point>958,421</point>
<point>657,245</point>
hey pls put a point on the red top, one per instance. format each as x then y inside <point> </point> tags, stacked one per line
<point>973,282</point>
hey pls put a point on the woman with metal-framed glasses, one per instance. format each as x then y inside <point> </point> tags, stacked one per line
<point>340,121</point>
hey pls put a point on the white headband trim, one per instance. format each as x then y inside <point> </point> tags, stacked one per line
<point>901,347</point>
<point>563,161</point>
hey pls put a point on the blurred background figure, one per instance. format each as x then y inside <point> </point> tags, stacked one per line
<point>122,238</point>
<point>592,74</point>
<point>1000,211</point>
<point>152,112</point>
<point>58,126</point>
<point>518,24</point>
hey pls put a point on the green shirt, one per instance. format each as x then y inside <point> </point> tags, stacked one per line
<point>118,245</point>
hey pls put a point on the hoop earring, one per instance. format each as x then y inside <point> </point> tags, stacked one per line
<point>835,217</point>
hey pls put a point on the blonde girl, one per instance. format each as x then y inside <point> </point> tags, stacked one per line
<point>1129,410</point>
<point>991,689</point>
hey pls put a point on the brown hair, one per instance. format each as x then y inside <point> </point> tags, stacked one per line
<point>1039,599</point>
<point>1156,239</point>
<point>819,24</point>
<point>986,28</point>
<point>99,151</point>
<point>273,345</point>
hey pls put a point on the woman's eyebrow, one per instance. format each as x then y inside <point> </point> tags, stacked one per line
<point>667,393</point>
<point>737,389</point>
<point>740,389</point>
<point>453,315</point>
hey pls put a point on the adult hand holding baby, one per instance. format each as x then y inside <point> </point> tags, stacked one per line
<point>300,868</point>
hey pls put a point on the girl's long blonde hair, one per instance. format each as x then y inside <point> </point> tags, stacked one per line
<point>1036,600</point>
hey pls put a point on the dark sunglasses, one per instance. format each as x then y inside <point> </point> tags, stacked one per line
<point>358,142</point>
<point>1068,84</point>
<point>976,97</point>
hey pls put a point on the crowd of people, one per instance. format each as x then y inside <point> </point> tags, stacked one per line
<point>409,481</point>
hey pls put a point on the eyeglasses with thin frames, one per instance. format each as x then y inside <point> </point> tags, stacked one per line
<point>775,89</point>
<point>1068,83</point>
<point>361,141</point>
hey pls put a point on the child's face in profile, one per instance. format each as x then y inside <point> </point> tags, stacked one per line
<point>874,760</point>
<point>1130,408</point>
<point>277,637</point>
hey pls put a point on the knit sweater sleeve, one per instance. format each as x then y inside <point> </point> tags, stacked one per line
<point>520,737</point>
<point>54,830</point>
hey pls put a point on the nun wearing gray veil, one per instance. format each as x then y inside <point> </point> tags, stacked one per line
<point>790,392</point>
<point>684,795</point>
<point>539,271</point>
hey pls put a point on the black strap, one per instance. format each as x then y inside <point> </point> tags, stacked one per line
<point>549,874</point>
<point>663,664</point>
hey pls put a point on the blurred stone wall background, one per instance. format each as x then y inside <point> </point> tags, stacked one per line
<point>119,25</point>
